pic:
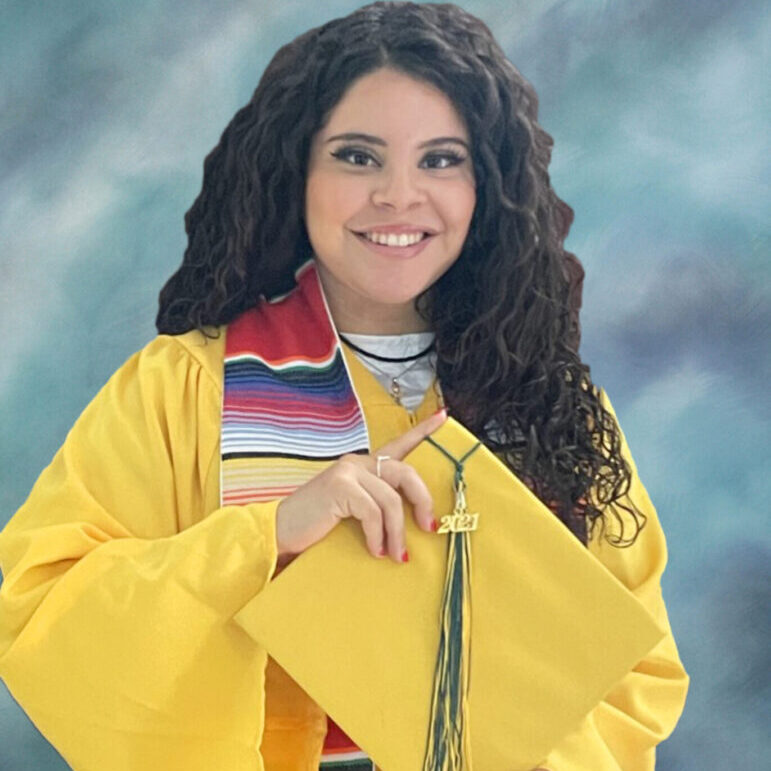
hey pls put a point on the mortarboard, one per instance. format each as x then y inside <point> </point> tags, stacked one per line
<point>544,629</point>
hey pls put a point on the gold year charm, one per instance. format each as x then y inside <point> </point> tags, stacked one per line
<point>461,520</point>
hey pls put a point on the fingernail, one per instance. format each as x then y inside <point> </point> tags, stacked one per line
<point>434,525</point>
<point>441,411</point>
<point>382,552</point>
<point>405,556</point>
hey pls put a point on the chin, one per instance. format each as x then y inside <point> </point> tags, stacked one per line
<point>396,297</point>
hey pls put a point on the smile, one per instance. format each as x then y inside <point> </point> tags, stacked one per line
<point>394,239</point>
<point>392,250</point>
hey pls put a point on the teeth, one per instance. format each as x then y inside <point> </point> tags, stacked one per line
<point>392,239</point>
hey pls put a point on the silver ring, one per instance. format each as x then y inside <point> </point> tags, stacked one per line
<point>380,459</point>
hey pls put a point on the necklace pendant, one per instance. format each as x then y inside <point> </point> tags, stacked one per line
<point>396,391</point>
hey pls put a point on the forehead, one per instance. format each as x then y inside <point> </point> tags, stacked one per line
<point>386,102</point>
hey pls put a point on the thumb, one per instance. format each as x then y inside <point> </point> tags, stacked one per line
<point>403,445</point>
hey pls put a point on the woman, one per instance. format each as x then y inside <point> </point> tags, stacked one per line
<point>383,196</point>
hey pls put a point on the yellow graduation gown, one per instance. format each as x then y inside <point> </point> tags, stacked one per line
<point>122,575</point>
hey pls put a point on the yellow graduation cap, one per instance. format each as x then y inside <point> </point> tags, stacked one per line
<point>506,635</point>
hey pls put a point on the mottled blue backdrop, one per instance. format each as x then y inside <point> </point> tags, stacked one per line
<point>660,112</point>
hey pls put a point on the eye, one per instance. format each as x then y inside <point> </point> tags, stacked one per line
<point>436,161</point>
<point>352,152</point>
<point>451,158</point>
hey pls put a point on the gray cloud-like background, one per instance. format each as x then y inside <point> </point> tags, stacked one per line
<point>659,110</point>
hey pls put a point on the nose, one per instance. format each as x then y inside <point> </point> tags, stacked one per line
<point>398,187</point>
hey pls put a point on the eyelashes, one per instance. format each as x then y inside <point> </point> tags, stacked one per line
<point>451,158</point>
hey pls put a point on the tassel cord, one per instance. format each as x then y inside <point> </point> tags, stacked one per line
<point>458,463</point>
<point>448,742</point>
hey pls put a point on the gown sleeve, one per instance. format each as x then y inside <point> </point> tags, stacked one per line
<point>642,709</point>
<point>121,577</point>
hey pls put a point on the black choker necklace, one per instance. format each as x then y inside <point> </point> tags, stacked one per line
<point>387,358</point>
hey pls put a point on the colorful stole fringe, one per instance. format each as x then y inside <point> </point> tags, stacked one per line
<point>290,410</point>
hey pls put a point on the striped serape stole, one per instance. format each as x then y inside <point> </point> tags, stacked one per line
<point>289,410</point>
<point>341,752</point>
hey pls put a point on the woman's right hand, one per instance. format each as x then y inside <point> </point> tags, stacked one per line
<point>350,487</point>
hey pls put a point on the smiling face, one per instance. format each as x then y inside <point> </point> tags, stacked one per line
<point>409,166</point>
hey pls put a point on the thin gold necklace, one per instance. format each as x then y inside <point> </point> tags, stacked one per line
<point>395,389</point>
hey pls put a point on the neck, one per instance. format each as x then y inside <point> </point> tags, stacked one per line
<point>377,323</point>
<point>355,315</point>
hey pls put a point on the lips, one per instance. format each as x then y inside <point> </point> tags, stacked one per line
<point>397,229</point>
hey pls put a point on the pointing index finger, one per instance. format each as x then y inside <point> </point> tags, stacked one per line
<point>403,445</point>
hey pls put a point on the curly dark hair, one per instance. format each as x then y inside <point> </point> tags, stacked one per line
<point>505,314</point>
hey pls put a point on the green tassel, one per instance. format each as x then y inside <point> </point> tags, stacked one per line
<point>448,746</point>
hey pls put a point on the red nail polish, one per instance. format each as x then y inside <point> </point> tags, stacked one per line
<point>442,410</point>
<point>434,525</point>
<point>405,556</point>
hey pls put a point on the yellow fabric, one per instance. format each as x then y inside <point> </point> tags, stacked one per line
<point>640,711</point>
<point>123,574</point>
<point>541,658</point>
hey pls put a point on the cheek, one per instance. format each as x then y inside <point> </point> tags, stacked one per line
<point>315,201</point>
<point>332,201</point>
<point>471,202</point>
<point>459,206</point>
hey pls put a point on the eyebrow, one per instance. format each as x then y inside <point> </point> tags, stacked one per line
<point>373,140</point>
